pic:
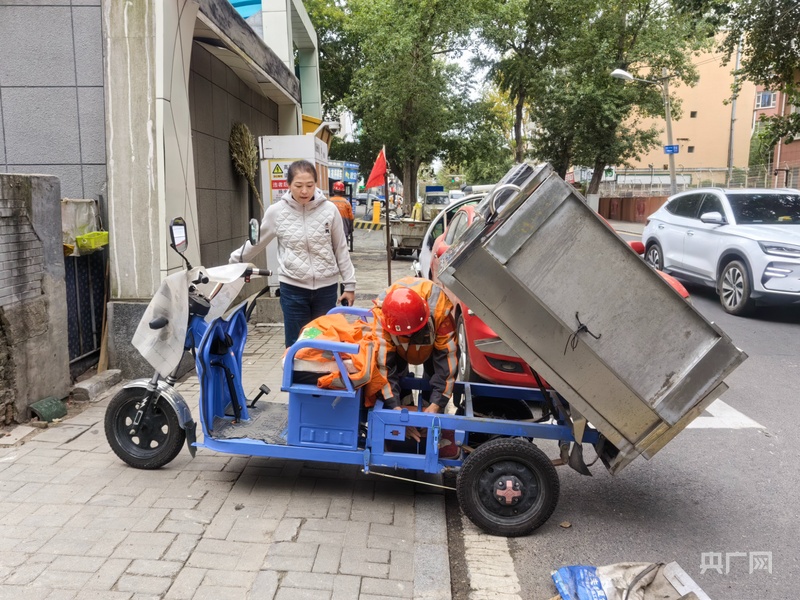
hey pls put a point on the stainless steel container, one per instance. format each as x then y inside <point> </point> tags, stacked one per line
<point>568,295</point>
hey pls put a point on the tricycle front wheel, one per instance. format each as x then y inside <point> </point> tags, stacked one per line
<point>155,442</point>
<point>508,487</point>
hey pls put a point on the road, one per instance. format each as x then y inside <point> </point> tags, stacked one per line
<point>720,499</point>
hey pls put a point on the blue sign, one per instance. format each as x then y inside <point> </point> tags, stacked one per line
<point>351,172</point>
<point>671,149</point>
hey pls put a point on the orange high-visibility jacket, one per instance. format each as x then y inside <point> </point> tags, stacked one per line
<point>344,206</point>
<point>362,367</point>
<point>440,331</point>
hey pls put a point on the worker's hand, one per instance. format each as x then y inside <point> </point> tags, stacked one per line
<point>412,433</point>
<point>432,408</point>
<point>347,298</point>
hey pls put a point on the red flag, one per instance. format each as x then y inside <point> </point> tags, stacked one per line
<point>378,171</point>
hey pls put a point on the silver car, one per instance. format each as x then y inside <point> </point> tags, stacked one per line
<point>745,243</point>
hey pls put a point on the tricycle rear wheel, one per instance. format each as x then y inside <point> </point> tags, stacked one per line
<point>157,441</point>
<point>508,487</point>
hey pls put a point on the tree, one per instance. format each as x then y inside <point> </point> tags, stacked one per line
<point>582,115</point>
<point>404,92</point>
<point>522,37</point>
<point>482,148</point>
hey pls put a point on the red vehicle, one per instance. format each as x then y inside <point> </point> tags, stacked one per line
<point>482,354</point>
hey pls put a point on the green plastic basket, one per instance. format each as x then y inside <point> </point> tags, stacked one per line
<point>88,242</point>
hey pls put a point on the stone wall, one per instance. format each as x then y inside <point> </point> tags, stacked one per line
<point>34,356</point>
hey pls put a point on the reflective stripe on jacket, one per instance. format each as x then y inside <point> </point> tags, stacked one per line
<point>362,367</point>
<point>441,347</point>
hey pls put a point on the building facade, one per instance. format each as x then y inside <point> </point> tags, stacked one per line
<point>132,104</point>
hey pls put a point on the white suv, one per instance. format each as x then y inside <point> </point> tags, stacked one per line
<point>743,242</point>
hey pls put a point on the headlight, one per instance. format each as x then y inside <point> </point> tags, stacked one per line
<point>779,249</point>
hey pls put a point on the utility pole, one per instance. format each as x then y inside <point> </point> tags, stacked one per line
<point>733,111</point>
<point>665,82</point>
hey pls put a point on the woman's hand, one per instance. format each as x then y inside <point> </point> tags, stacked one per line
<point>350,297</point>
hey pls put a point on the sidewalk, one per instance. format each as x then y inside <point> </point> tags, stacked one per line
<point>627,227</point>
<point>78,523</point>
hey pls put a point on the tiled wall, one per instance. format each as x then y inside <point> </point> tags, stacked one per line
<point>52,115</point>
<point>217,100</point>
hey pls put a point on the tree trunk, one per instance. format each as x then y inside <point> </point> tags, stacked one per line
<point>410,168</point>
<point>597,176</point>
<point>519,149</point>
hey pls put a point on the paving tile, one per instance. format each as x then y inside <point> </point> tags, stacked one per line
<point>384,587</point>
<point>107,575</point>
<point>16,434</point>
<point>186,583</point>
<point>61,434</point>
<point>314,581</point>
<point>143,585</point>
<point>265,584</point>
<point>301,594</point>
<point>215,592</point>
<point>154,568</point>
<point>327,559</point>
<point>346,587</point>
<point>54,579</point>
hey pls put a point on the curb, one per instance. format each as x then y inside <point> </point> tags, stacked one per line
<point>91,389</point>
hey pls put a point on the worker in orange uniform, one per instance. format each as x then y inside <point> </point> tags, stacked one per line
<point>414,326</point>
<point>345,208</point>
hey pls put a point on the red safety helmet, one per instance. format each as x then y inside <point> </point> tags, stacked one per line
<point>404,311</point>
<point>338,186</point>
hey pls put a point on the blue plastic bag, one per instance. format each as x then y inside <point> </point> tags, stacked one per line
<point>579,583</point>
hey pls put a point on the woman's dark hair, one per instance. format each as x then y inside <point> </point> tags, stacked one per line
<point>300,166</point>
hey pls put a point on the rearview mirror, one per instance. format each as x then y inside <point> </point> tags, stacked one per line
<point>177,234</point>
<point>713,217</point>
<point>254,232</point>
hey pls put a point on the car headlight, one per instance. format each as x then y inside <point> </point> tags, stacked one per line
<point>780,249</point>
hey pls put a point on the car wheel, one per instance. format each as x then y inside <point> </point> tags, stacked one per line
<point>735,290</point>
<point>654,256</point>
<point>465,372</point>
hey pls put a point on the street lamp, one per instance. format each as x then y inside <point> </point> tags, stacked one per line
<point>663,81</point>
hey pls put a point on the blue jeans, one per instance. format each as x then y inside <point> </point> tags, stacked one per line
<point>301,306</point>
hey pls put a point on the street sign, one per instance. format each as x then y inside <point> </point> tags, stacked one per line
<point>671,149</point>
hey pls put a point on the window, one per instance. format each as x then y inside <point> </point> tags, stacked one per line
<point>765,209</point>
<point>693,114</point>
<point>711,204</point>
<point>685,206</point>
<point>690,149</point>
<point>766,99</point>
<point>456,227</point>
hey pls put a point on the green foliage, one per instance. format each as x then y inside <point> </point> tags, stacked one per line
<point>582,115</point>
<point>404,92</point>
<point>482,149</point>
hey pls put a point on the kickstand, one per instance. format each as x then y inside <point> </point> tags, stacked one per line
<point>264,390</point>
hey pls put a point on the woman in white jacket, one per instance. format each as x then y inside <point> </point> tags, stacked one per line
<point>312,251</point>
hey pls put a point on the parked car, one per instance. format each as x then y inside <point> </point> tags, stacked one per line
<point>422,266</point>
<point>482,354</point>
<point>368,199</point>
<point>745,243</point>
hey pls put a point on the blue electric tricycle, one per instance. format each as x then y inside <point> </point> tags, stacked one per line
<point>505,484</point>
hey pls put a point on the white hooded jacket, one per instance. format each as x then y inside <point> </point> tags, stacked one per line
<point>312,246</point>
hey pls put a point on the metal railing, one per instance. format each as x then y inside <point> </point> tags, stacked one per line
<point>655,182</point>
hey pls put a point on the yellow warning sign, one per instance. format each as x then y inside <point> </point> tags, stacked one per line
<point>277,170</point>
